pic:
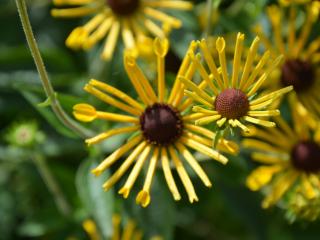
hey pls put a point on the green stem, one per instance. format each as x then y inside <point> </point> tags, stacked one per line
<point>52,185</point>
<point>54,102</point>
<point>209,18</point>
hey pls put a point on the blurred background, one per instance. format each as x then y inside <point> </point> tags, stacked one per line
<point>46,188</point>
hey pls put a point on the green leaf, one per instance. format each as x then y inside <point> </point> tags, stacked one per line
<point>45,103</point>
<point>32,229</point>
<point>98,203</point>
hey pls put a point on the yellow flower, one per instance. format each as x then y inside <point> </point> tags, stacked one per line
<point>129,232</point>
<point>162,129</point>
<point>134,20</point>
<point>290,156</point>
<point>231,102</point>
<point>301,67</point>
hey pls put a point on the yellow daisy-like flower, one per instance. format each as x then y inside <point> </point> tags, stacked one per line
<point>232,101</point>
<point>135,20</point>
<point>162,129</point>
<point>301,67</point>
<point>291,158</point>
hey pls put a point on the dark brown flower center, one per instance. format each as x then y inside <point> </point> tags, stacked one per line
<point>123,7</point>
<point>232,103</point>
<point>305,156</point>
<point>161,124</point>
<point>297,73</point>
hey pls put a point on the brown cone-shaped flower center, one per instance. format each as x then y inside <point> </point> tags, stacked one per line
<point>305,156</point>
<point>123,7</point>
<point>161,124</point>
<point>232,103</point>
<point>297,73</point>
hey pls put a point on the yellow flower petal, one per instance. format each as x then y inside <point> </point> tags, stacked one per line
<point>261,176</point>
<point>84,112</point>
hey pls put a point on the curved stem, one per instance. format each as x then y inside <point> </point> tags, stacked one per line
<point>54,102</point>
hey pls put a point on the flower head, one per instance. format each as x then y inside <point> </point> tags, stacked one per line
<point>290,158</point>
<point>135,20</point>
<point>300,67</point>
<point>161,128</point>
<point>231,102</point>
<point>24,134</point>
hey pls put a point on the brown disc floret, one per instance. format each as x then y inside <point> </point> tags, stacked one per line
<point>232,103</point>
<point>305,156</point>
<point>161,124</point>
<point>123,7</point>
<point>298,73</point>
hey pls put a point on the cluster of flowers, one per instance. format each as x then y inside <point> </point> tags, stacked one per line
<point>244,90</point>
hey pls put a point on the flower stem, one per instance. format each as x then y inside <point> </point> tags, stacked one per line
<point>212,6</point>
<point>52,185</point>
<point>209,18</point>
<point>47,86</point>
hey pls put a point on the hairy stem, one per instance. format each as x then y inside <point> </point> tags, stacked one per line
<point>47,86</point>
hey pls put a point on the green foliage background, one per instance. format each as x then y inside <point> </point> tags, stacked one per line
<point>27,209</point>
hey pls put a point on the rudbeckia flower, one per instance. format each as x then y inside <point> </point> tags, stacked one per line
<point>232,102</point>
<point>162,131</point>
<point>290,158</point>
<point>301,65</point>
<point>134,20</point>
